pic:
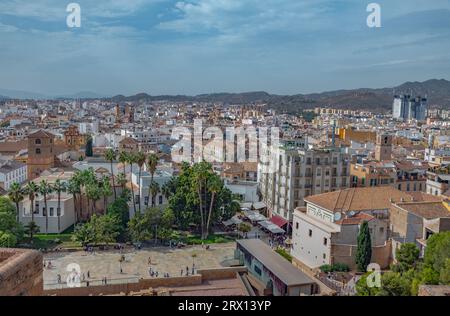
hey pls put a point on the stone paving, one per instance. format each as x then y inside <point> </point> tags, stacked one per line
<point>101,264</point>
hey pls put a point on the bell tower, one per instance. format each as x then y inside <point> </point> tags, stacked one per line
<point>383,147</point>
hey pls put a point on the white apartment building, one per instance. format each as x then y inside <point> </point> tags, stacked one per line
<point>299,173</point>
<point>66,214</point>
<point>12,171</point>
<point>58,221</point>
<point>142,190</point>
<point>326,233</point>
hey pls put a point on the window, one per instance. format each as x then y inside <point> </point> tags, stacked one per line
<point>258,270</point>
<point>400,187</point>
<point>146,200</point>
<point>325,241</point>
<point>160,200</point>
<point>381,230</point>
<point>51,211</point>
<point>38,151</point>
<point>324,256</point>
<point>44,211</point>
<point>296,225</point>
<point>58,211</point>
<point>310,233</point>
<point>38,141</point>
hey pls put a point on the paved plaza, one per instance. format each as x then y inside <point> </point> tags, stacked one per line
<point>101,264</point>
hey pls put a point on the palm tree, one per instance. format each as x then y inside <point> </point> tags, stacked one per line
<point>214,187</point>
<point>140,160</point>
<point>31,229</point>
<point>154,190</point>
<point>105,191</point>
<point>131,160</point>
<point>15,194</point>
<point>59,187</point>
<point>152,163</point>
<point>77,181</point>
<point>110,155</point>
<point>122,180</point>
<point>93,193</point>
<point>123,159</point>
<point>166,191</point>
<point>32,190</point>
<point>74,188</point>
<point>44,189</point>
<point>200,178</point>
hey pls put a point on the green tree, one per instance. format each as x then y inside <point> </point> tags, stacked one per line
<point>32,190</point>
<point>406,256</point>
<point>138,228</point>
<point>131,160</point>
<point>73,187</point>
<point>154,190</point>
<point>437,251</point>
<point>31,229</point>
<point>395,284</point>
<point>122,180</point>
<point>93,194</point>
<point>110,155</point>
<point>59,187</point>
<point>7,239</point>
<point>45,189</point>
<point>99,229</point>
<point>8,223</point>
<point>215,185</point>
<point>16,194</point>
<point>89,147</point>
<point>123,159</point>
<point>152,164</point>
<point>364,250</point>
<point>140,160</point>
<point>244,228</point>
<point>106,191</point>
<point>363,289</point>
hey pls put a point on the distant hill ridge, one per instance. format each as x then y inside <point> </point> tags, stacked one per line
<point>437,90</point>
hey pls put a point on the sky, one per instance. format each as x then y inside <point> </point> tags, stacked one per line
<point>205,46</point>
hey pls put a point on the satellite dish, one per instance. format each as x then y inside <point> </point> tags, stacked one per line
<point>351,213</point>
<point>337,216</point>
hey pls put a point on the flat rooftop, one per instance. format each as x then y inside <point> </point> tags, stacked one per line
<point>275,263</point>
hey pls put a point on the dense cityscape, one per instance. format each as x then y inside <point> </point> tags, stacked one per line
<point>222,156</point>
<point>95,203</point>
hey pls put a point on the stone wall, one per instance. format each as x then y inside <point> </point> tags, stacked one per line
<point>346,254</point>
<point>21,272</point>
<point>145,284</point>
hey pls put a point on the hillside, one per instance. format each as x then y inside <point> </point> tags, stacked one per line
<point>438,92</point>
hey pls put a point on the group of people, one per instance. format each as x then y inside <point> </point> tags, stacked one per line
<point>187,270</point>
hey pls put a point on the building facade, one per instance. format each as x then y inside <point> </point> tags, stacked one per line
<point>299,173</point>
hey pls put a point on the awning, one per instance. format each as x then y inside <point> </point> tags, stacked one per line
<point>232,221</point>
<point>259,205</point>
<point>279,221</point>
<point>254,216</point>
<point>274,229</point>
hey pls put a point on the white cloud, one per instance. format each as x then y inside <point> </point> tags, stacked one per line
<point>51,10</point>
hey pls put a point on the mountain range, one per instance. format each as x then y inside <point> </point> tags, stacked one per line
<point>437,90</point>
